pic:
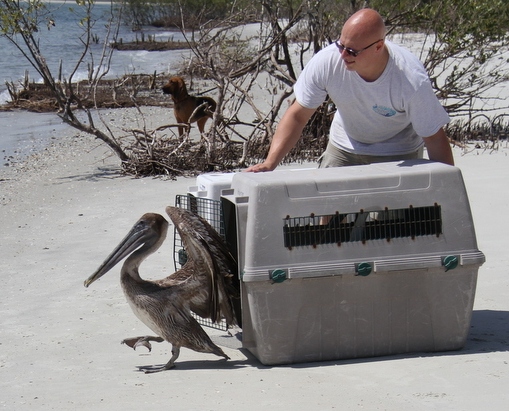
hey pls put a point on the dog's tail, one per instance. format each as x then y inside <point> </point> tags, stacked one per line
<point>205,108</point>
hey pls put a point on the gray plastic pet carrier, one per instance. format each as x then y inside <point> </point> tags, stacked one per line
<point>352,262</point>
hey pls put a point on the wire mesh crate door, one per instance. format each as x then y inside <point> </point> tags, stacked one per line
<point>211,211</point>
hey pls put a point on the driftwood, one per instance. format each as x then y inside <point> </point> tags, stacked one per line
<point>127,91</point>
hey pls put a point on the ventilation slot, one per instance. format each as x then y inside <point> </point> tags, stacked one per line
<point>362,226</point>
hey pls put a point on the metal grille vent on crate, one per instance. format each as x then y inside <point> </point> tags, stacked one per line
<point>362,226</point>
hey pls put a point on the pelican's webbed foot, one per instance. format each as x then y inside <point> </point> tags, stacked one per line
<point>152,369</point>
<point>168,366</point>
<point>144,341</point>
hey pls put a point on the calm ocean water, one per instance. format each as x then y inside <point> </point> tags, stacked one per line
<point>22,133</point>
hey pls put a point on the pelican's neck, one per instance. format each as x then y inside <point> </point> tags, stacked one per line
<point>130,268</point>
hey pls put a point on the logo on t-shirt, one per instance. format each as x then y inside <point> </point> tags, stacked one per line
<point>384,111</point>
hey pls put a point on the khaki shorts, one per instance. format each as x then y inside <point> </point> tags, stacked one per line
<point>335,157</point>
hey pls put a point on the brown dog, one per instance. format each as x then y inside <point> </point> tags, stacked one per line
<point>186,106</point>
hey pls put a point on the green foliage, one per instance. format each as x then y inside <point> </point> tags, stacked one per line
<point>463,44</point>
<point>173,13</point>
<point>20,17</point>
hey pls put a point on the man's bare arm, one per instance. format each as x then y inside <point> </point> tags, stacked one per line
<point>288,132</point>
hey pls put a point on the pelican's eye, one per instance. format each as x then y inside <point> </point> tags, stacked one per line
<point>141,225</point>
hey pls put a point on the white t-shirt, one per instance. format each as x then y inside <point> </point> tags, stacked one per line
<point>389,116</point>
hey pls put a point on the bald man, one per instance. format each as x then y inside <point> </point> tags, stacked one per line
<point>386,107</point>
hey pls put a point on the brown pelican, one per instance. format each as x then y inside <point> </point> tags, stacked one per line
<point>203,285</point>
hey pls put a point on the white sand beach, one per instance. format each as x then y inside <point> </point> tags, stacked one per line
<point>65,209</point>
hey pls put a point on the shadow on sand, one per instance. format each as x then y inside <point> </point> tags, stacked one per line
<point>101,173</point>
<point>489,332</point>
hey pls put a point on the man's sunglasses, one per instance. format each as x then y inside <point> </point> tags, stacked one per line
<point>351,52</point>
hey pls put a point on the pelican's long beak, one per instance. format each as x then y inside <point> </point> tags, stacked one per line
<point>132,241</point>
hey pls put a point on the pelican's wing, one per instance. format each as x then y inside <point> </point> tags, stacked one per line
<point>214,266</point>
